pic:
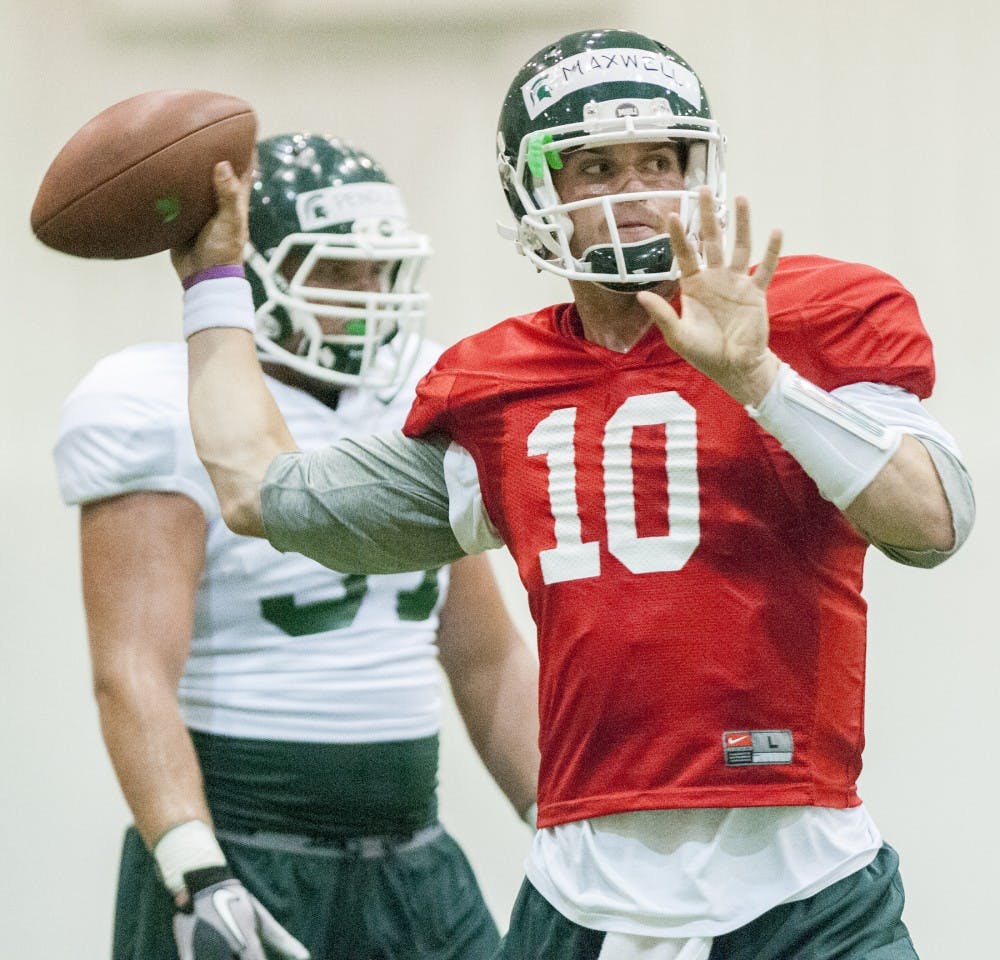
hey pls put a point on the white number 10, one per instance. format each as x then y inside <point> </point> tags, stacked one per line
<point>571,558</point>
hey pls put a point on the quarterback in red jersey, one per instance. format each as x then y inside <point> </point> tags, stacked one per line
<point>686,508</point>
<point>688,463</point>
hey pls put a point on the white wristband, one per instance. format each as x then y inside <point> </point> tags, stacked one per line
<point>840,447</point>
<point>220,302</point>
<point>188,846</point>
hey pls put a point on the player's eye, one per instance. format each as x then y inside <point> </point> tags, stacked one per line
<point>346,274</point>
<point>666,163</point>
<point>596,168</point>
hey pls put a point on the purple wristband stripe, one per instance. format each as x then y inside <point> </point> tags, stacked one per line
<point>214,273</point>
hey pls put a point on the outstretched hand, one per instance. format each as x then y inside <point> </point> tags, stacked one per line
<point>723,328</point>
<point>222,240</point>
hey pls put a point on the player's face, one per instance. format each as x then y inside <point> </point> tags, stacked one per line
<point>357,275</point>
<point>353,275</point>
<point>619,168</point>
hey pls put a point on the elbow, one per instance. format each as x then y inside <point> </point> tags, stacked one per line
<point>108,690</point>
<point>131,694</point>
<point>122,686</point>
<point>241,512</point>
<point>936,530</point>
<point>238,492</point>
<point>943,537</point>
<point>238,488</point>
<point>928,545</point>
<point>944,514</point>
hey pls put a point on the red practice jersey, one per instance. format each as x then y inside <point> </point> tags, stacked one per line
<point>701,629</point>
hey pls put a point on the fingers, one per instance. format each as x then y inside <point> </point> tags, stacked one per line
<point>230,190</point>
<point>686,257</point>
<point>276,936</point>
<point>765,269</point>
<point>712,242</point>
<point>741,247</point>
<point>223,238</point>
<point>229,227</point>
<point>660,312</point>
<point>223,172</point>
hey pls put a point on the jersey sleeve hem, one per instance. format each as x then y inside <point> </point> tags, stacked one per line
<point>177,485</point>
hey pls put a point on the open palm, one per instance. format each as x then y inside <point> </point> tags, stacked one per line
<point>723,327</point>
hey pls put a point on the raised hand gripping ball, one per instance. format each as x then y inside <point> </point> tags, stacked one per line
<point>137,178</point>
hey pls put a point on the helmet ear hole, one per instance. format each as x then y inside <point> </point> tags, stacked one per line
<point>280,329</point>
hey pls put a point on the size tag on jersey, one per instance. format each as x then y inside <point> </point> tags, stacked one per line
<point>741,748</point>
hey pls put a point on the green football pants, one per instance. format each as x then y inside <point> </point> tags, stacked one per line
<point>858,918</point>
<point>361,899</point>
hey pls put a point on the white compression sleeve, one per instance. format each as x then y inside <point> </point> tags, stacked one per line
<point>841,447</point>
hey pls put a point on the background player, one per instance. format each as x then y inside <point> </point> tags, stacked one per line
<point>273,725</point>
<point>689,508</point>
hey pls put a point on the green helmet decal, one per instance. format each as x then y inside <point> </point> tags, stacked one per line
<point>602,87</point>
<point>333,264</point>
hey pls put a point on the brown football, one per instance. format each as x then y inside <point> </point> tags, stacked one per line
<point>137,178</point>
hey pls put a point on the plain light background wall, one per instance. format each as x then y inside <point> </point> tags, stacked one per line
<point>866,129</point>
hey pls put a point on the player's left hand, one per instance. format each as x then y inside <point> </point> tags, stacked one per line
<point>223,239</point>
<point>226,922</point>
<point>723,328</point>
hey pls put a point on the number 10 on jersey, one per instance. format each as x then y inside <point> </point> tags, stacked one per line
<point>554,438</point>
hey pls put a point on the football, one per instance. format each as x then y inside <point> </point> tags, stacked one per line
<point>137,178</point>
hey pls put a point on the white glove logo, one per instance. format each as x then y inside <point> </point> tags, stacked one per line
<point>226,920</point>
<point>221,900</point>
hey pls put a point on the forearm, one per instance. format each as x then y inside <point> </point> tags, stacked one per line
<point>905,505</point>
<point>152,754</point>
<point>238,429</point>
<point>499,705</point>
<point>142,559</point>
<point>860,445</point>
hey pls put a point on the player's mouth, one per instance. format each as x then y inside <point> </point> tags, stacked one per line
<point>631,231</point>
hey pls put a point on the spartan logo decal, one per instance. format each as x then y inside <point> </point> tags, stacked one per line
<point>337,206</point>
<point>540,90</point>
<point>618,64</point>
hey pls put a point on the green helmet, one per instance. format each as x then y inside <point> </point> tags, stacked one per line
<point>317,207</point>
<point>603,87</point>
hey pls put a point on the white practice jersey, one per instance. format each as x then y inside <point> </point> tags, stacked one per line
<point>283,648</point>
